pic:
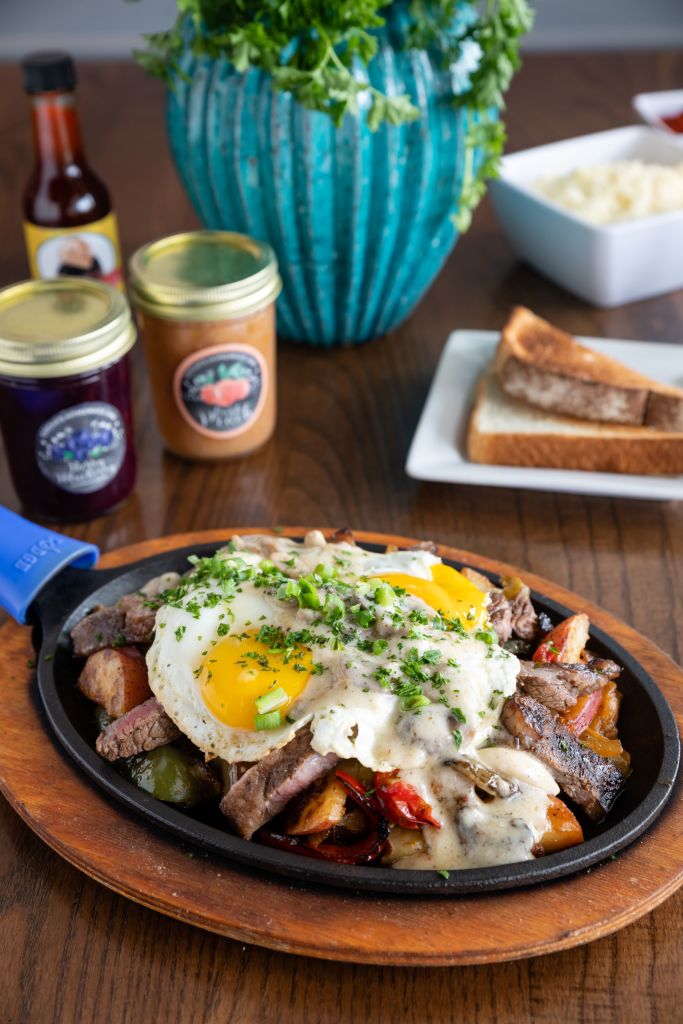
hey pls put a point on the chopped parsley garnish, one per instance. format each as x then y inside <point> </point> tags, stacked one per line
<point>431,657</point>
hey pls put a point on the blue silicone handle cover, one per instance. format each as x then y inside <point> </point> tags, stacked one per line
<point>30,555</point>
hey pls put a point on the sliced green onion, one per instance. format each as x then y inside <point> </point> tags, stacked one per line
<point>308,595</point>
<point>273,720</point>
<point>271,700</point>
<point>288,590</point>
<point>334,609</point>
<point>418,701</point>
<point>384,594</point>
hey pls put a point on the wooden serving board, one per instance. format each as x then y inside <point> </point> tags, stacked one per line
<point>118,849</point>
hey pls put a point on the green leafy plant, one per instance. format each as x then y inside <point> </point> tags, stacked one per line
<point>320,51</point>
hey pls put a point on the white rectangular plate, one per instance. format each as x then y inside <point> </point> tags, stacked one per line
<point>438,451</point>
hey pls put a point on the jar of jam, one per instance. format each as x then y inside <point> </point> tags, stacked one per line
<point>206,310</point>
<point>65,408</point>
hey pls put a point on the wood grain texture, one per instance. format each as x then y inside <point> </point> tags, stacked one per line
<point>141,862</point>
<point>72,950</point>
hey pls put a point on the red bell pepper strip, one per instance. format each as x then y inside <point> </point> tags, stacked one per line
<point>358,792</point>
<point>366,850</point>
<point>401,803</point>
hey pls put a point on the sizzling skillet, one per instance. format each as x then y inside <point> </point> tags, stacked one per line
<point>45,579</point>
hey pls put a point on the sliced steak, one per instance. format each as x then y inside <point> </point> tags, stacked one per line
<point>101,628</point>
<point>129,621</point>
<point>591,781</point>
<point>556,685</point>
<point>139,613</point>
<point>609,669</point>
<point>144,728</point>
<point>507,615</point>
<point>523,614</point>
<point>500,614</point>
<point>265,789</point>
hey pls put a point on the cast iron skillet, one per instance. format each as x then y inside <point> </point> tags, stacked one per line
<point>647,729</point>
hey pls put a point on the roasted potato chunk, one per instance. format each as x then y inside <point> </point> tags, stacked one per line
<point>323,810</point>
<point>563,828</point>
<point>116,679</point>
<point>403,843</point>
<point>565,642</point>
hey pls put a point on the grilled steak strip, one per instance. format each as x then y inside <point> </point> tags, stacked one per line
<point>588,779</point>
<point>609,669</point>
<point>500,614</point>
<point>101,628</point>
<point>129,621</point>
<point>556,685</point>
<point>524,619</point>
<point>265,789</point>
<point>144,728</point>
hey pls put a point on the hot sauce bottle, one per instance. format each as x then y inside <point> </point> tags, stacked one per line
<point>69,224</point>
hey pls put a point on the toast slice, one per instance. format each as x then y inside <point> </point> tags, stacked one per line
<point>542,365</point>
<point>506,432</point>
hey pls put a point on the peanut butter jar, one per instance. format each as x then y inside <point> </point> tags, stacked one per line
<point>206,310</point>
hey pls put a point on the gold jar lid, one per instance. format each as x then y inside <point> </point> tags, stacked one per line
<point>62,327</point>
<point>204,275</point>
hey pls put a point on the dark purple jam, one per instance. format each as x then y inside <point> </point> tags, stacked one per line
<point>69,441</point>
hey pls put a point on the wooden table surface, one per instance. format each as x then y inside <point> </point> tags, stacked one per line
<point>71,950</point>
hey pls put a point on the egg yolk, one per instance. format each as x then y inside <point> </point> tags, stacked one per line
<point>448,592</point>
<point>241,668</point>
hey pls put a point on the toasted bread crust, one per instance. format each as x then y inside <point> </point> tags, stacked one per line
<point>640,451</point>
<point>664,412</point>
<point>545,367</point>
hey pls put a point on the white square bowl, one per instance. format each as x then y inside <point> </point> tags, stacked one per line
<point>607,265</point>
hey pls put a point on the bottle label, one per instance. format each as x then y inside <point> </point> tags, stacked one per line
<point>220,391</point>
<point>91,250</point>
<point>81,449</point>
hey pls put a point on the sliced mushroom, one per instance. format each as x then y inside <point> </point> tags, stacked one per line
<point>485,779</point>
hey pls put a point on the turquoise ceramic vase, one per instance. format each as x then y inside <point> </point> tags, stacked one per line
<point>361,221</point>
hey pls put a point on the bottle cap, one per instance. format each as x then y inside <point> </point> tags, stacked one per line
<point>48,71</point>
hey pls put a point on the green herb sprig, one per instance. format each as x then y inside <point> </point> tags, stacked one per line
<point>320,52</point>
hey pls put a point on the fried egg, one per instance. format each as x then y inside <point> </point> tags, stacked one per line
<point>213,660</point>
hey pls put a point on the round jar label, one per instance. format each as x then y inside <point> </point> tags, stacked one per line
<point>220,391</point>
<point>81,449</point>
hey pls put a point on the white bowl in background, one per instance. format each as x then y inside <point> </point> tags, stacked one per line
<point>605,264</point>
<point>653,106</point>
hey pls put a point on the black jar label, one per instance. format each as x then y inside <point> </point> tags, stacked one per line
<point>81,449</point>
<point>220,391</point>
